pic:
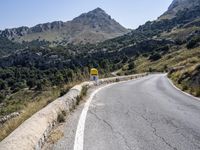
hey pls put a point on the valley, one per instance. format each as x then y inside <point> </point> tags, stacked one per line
<point>54,56</point>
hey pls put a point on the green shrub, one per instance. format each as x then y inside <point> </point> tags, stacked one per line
<point>179,41</point>
<point>119,73</point>
<point>2,85</point>
<point>150,69</point>
<point>165,68</point>
<point>63,92</point>
<point>78,99</point>
<point>2,97</point>
<point>197,92</point>
<point>84,91</point>
<point>184,87</point>
<point>193,42</point>
<point>117,80</point>
<point>131,66</point>
<point>61,118</point>
<point>82,94</point>
<point>155,57</point>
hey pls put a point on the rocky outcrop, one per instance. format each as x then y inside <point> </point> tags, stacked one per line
<point>94,26</point>
<point>179,5</point>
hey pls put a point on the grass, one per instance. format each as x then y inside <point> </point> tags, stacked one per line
<point>198,92</point>
<point>28,108</point>
<point>185,79</point>
<point>181,57</point>
<point>184,59</point>
<point>28,102</point>
<point>55,136</point>
<point>181,33</point>
<point>82,94</point>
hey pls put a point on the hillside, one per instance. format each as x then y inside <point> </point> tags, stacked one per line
<point>153,39</point>
<point>179,5</point>
<point>167,44</point>
<point>93,27</point>
<point>182,58</point>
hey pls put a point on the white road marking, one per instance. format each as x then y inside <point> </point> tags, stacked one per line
<point>79,137</point>
<point>78,143</point>
<point>196,98</point>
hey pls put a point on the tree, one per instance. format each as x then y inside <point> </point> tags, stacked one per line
<point>155,57</point>
<point>42,84</point>
<point>191,44</point>
<point>2,97</point>
<point>2,85</point>
<point>131,66</point>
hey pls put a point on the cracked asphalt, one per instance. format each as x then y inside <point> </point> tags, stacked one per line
<point>142,114</point>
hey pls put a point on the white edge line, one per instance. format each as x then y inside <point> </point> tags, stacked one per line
<point>79,137</point>
<point>196,98</point>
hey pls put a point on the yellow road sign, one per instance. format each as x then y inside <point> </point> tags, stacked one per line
<point>93,72</point>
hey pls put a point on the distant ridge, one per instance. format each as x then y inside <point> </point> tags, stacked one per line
<point>94,26</point>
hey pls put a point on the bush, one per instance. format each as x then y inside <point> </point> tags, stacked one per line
<point>78,99</point>
<point>193,43</point>
<point>119,73</point>
<point>179,41</point>
<point>2,85</point>
<point>39,86</point>
<point>155,57</point>
<point>197,92</point>
<point>82,94</point>
<point>31,83</point>
<point>131,66</point>
<point>18,85</point>
<point>184,87</point>
<point>63,92</point>
<point>2,97</point>
<point>61,118</point>
<point>42,84</point>
<point>165,68</point>
<point>117,80</point>
<point>84,91</point>
<point>150,69</point>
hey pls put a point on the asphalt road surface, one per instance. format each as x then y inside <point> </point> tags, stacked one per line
<point>142,114</point>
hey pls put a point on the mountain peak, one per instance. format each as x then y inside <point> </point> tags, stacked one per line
<point>98,9</point>
<point>96,13</point>
<point>93,26</point>
<point>95,16</point>
<point>179,5</point>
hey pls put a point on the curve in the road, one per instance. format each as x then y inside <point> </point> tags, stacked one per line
<point>147,113</point>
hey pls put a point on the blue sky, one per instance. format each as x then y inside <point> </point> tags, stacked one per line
<point>129,13</point>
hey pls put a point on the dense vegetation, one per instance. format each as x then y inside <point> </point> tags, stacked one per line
<point>38,64</point>
<point>32,74</point>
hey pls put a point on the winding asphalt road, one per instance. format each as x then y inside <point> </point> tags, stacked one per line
<point>142,114</point>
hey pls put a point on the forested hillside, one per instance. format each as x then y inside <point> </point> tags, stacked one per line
<point>167,44</point>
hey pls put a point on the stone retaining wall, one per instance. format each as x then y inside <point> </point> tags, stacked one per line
<point>32,134</point>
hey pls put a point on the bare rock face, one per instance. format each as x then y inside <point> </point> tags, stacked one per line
<point>94,26</point>
<point>178,5</point>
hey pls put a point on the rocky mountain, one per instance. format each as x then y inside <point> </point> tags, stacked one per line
<point>179,5</point>
<point>171,43</point>
<point>155,46</point>
<point>94,26</point>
